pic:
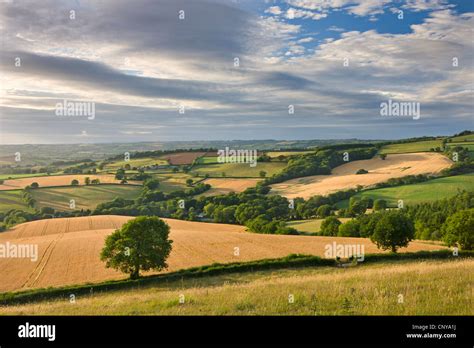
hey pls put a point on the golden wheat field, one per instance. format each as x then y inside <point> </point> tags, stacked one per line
<point>69,249</point>
<point>56,180</point>
<point>344,177</point>
<point>226,185</point>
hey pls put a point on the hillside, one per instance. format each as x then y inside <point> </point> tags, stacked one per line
<point>345,177</point>
<point>69,249</point>
<point>373,289</point>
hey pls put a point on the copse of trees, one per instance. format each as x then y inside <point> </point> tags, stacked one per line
<point>380,204</point>
<point>430,217</point>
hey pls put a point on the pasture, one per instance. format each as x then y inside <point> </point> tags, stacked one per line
<point>428,191</point>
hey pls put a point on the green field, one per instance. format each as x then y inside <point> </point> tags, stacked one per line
<point>372,289</point>
<point>12,200</point>
<point>171,182</point>
<point>468,144</point>
<point>419,146</point>
<point>469,137</point>
<point>235,170</point>
<point>19,176</point>
<point>310,226</point>
<point>207,160</point>
<point>418,193</point>
<point>274,154</point>
<point>138,162</point>
<point>85,197</point>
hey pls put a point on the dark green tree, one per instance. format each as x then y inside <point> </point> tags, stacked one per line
<point>392,231</point>
<point>459,229</point>
<point>141,244</point>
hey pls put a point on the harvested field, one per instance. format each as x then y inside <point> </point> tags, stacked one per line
<point>183,157</point>
<point>223,186</point>
<point>56,180</point>
<point>69,248</point>
<point>344,177</point>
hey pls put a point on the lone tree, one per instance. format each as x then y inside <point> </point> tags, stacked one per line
<point>74,182</point>
<point>141,244</point>
<point>393,230</point>
<point>34,185</point>
<point>383,156</point>
<point>459,229</point>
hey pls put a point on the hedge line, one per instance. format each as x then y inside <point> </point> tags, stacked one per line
<point>290,261</point>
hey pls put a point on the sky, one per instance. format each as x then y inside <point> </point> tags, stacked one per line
<point>163,70</point>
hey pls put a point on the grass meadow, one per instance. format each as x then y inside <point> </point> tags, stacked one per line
<point>434,287</point>
<point>418,193</point>
<point>85,197</point>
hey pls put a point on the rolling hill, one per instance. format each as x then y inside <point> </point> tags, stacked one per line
<point>69,248</point>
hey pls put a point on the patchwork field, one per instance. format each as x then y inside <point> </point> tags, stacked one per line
<point>236,170</point>
<point>418,193</point>
<point>69,249</point>
<point>373,289</point>
<point>344,177</point>
<point>225,185</point>
<point>85,197</point>
<point>275,154</point>
<point>310,226</point>
<point>418,146</point>
<point>12,200</point>
<point>56,180</point>
<point>136,162</point>
<point>183,157</point>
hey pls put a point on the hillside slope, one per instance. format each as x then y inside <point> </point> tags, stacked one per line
<point>69,249</point>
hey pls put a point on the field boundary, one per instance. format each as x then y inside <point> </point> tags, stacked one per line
<point>290,261</point>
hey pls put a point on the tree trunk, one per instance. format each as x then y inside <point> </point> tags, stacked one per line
<point>135,274</point>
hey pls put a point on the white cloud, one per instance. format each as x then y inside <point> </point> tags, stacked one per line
<point>293,13</point>
<point>274,10</point>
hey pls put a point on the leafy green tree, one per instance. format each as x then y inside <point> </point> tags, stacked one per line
<point>189,182</point>
<point>330,226</point>
<point>324,211</point>
<point>34,185</point>
<point>392,231</point>
<point>459,229</point>
<point>357,207</point>
<point>349,229</point>
<point>383,156</point>
<point>120,174</point>
<point>380,204</point>
<point>141,244</point>
<point>262,173</point>
<point>75,182</point>
<point>151,184</point>
<point>87,180</point>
